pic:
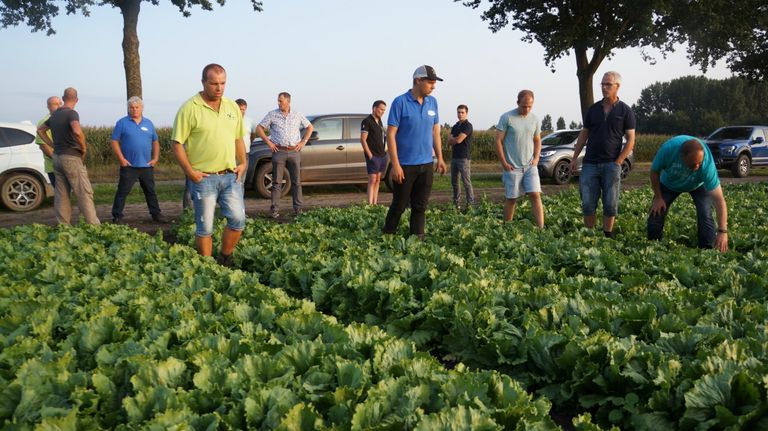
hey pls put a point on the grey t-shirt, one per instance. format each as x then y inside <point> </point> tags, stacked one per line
<point>518,141</point>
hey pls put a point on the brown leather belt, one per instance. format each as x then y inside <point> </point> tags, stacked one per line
<point>222,172</point>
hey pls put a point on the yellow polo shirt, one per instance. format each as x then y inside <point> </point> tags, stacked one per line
<point>38,141</point>
<point>209,136</point>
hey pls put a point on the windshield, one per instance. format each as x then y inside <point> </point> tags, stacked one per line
<point>562,138</point>
<point>739,133</point>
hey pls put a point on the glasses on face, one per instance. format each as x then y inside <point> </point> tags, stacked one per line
<point>607,84</point>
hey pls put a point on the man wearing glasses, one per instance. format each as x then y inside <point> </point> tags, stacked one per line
<point>606,123</point>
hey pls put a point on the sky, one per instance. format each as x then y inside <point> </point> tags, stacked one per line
<point>331,55</point>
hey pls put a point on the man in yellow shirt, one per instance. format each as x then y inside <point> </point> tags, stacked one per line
<point>208,144</point>
<point>53,103</point>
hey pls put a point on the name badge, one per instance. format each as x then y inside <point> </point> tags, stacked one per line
<point>144,128</point>
<point>431,113</point>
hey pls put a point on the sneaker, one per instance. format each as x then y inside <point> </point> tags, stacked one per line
<point>225,260</point>
<point>160,219</point>
<point>274,214</point>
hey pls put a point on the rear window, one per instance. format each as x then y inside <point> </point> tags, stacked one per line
<point>10,137</point>
<point>738,133</point>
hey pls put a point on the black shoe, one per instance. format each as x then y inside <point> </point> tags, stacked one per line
<point>610,234</point>
<point>116,220</point>
<point>160,219</point>
<point>225,260</point>
<point>274,214</point>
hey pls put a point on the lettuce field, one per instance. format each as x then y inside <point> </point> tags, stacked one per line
<point>327,324</point>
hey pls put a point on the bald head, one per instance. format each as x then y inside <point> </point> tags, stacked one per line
<point>53,103</point>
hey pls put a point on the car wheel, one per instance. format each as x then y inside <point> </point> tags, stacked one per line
<point>626,168</point>
<point>561,174</point>
<point>22,192</point>
<point>264,182</point>
<point>741,167</point>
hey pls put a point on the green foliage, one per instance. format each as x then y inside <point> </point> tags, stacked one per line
<point>698,105</point>
<point>628,332</point>
<point>102,327</point>
<point>560,123</point>
<point>546,123</point>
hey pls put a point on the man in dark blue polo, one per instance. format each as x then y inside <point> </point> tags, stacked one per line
<point>413,133</point>
<point>606,123</point>
<point>136,146</point>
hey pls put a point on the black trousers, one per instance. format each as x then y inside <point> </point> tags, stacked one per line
<point>128,177</point>
<point>414,190</point>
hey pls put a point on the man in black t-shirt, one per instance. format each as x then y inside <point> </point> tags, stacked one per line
<point>461,141</point>
<point>372,140</point>
<point>69,151</point>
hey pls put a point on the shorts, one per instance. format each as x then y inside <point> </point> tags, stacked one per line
<point>222,189</point>
<point>376,164</point>
<point>520,181</point>
<point>596,180</point>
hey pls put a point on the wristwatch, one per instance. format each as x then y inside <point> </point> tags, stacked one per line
<point>722,231</point>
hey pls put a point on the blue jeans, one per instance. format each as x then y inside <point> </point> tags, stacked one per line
<point>128,177</point>
<point>598,179</point>
<point>461,168</point>
<point>222,189</point>
<point>704,221</point>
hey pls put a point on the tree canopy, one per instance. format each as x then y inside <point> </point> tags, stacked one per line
<point>546,123</point>
<point>591,29</point>
<point>38,15</point>
<point>697,105</point>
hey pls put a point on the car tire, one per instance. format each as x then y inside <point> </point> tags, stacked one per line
<point>22,192</point>
<point>561,173</point>
<point>263,181</point>
<point>626,168</point>
<point>741,166</point>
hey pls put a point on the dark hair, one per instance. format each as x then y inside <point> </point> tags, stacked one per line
<point>284,94</point>
<point>691,146</point>
<point>523,94</point>
<point>377,103</point>
<point>212,67</point>
<point>241,102</point>
<point>464,107</point>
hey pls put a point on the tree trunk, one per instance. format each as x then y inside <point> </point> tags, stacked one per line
<point>131,61</point>
<point>585,71</point>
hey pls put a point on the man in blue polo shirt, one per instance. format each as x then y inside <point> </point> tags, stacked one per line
<point>413,133</point>
<point>684,164</point>
<point>135,144</point>
<point>606,123</point>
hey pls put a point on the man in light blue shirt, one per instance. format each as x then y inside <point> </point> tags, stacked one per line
<point>684,164</point>
<point>518,145</point>
<point>286,142</point>
<point>413,135</point>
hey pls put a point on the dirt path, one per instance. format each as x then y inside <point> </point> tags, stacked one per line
<point>137,216</point>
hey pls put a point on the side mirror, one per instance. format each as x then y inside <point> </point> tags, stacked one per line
<point>313,136</point>
<point>759,140</point>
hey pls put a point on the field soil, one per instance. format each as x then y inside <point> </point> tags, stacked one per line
<point>137,215</point>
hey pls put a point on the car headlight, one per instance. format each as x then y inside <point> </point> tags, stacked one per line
<point>545,154</point>
<point>728,149</point>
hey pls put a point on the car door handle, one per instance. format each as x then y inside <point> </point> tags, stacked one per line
<point>340,147</point>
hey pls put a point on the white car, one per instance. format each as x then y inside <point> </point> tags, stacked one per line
<point>24,185</point>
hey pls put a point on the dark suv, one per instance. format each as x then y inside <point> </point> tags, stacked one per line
<point>333,155</point>
<point>739,148</point>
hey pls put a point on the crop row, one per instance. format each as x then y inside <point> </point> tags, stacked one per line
<point>643,335</point>
<point>105,328</point>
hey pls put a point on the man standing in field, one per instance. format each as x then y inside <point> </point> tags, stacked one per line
<point>69,150</point>
<point>518,145</point>
<point>413,133</point>
<point>684,164</point>
<point>374,148</point>
<point>249,131</point>
<point>286,142</point>
<point>207,140</point>
<point>53,103</point>
<point>461,140</point>
<point>606,123</point>
<point>135,144</point>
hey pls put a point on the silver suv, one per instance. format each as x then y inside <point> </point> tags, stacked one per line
<point>333,155</point>
<point>557,152</point>
<point>24,184</point>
